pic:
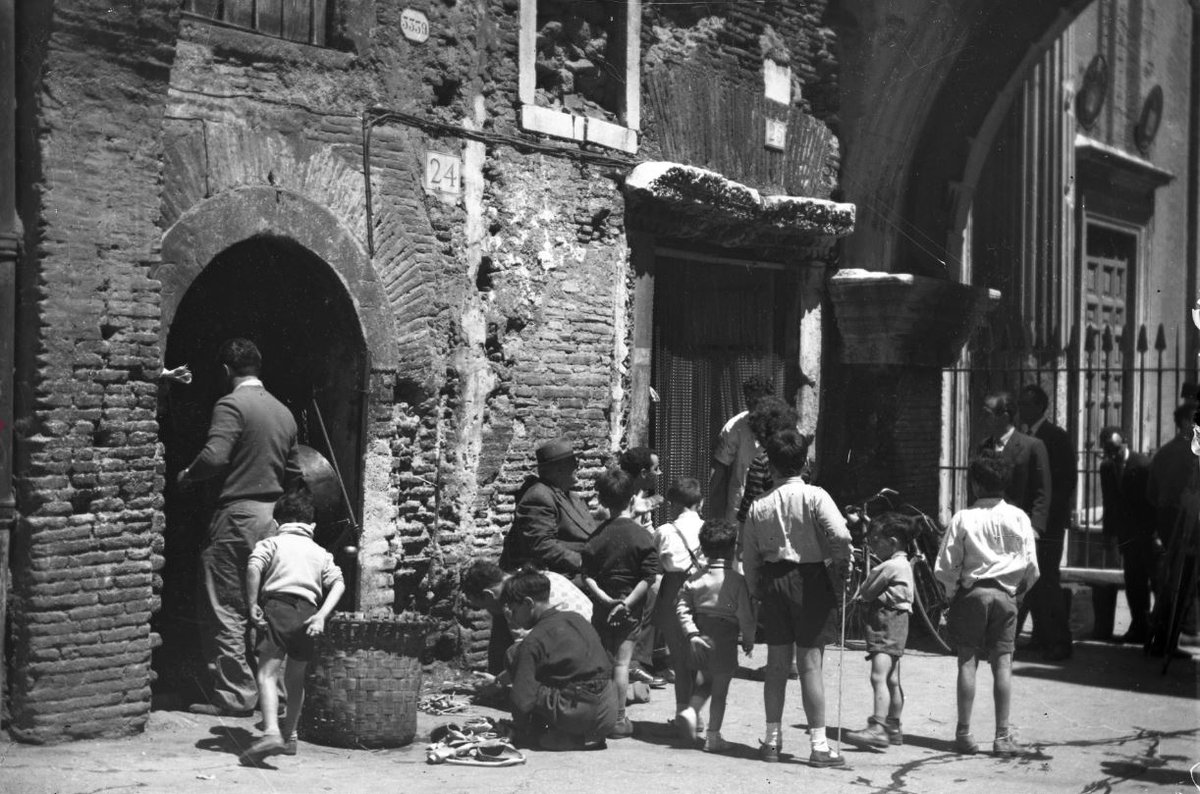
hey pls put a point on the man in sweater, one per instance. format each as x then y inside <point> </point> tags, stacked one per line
<point>251,451</point>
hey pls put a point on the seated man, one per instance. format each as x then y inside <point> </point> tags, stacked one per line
<point>562,687</point>
<point>551,523</point>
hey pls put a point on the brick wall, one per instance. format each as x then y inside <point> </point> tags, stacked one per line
<point>507,310</point>
<point>87,544</point>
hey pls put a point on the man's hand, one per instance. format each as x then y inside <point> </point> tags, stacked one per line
<point>315,626</point>
<point>839,570</point>
<point>182,477</point>
<point>179,374</point>
<point>748,647</point>
<point>257,616</point>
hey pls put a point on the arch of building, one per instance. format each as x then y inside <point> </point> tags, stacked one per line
<point>213,225</point>
<point>924,86</point>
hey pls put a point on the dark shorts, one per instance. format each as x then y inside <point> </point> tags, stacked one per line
<point>797,600</point>
<point>285,632</point>
<point>983,620</point>
<point>886,630</point>
<point>722,635</point>
<point>612,636</point>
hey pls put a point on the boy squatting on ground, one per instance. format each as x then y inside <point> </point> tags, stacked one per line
<point>562,683</point>
<point>795,546</point>
<point>888,593</point>
<point>987,560</point>
<point>620,562</point>
<point>289,612</point>
<point>713,608</point>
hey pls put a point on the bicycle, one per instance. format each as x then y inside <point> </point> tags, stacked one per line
<point>930,603</point>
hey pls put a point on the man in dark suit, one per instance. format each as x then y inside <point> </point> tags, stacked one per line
<point>251,451</point>
<point>1029,488</point>
<point>1129,517</point>
<point>551,523</point>
<point>1051,631</point>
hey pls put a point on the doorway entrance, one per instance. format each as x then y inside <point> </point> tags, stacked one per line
<point>286,299</point>
<point>714,326</point>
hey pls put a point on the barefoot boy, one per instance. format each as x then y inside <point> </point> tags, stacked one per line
<point>713,608</point>
<point>290,613</point>
<point>987,560</point>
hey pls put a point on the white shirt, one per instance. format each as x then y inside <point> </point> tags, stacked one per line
<point>991,539</point>
<point>794,522</point>
<point>736,448</point>
<point>676,538</point>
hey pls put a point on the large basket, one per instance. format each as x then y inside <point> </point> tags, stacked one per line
<point>364,682</point>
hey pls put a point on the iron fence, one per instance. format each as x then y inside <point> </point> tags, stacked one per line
<point>1101,376</point>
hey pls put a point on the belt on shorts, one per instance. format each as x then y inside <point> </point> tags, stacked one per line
<point>287,598</point>
<point>990,584</point>
<point>592,687</point>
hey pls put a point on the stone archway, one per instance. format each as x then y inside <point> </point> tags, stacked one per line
<point>279,269</point>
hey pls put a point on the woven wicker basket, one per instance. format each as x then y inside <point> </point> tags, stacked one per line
<point>364,682</point>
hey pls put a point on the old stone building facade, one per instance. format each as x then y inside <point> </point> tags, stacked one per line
<point>456,229</point>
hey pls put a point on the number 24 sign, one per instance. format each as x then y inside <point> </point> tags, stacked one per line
<point>443,173</point>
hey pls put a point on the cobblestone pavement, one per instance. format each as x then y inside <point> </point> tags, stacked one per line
<point>1105,721</point>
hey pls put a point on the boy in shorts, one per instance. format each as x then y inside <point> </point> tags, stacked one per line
<point>713,608</point>
<point>795,547</point>
<point>887,592</point>
<point>987,560</point>
<point>292,585</point>
<point>620,562</point>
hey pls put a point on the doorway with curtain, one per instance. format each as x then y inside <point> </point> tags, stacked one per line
<point>715,325</point>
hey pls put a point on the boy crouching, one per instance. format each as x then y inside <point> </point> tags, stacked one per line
<point>562,683</point>
<point>285,579</point>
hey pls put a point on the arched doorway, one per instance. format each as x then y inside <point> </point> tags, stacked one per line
<point>291,303</point>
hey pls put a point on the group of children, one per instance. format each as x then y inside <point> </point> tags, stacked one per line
<point>569,675</point>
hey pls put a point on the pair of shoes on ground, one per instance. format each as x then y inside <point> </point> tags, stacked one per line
<point>643,676</point>
<point>1005,746</point>
<point>770,753</point>
<point>213,710</point>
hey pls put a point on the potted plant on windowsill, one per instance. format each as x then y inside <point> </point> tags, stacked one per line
<point>905,319</point>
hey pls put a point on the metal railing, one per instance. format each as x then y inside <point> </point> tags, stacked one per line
<point>1129,378</point>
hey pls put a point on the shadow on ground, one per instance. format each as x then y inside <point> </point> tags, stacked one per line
<point>1112,666</point>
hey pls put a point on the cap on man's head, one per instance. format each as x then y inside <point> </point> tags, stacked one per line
<point>554,451</point>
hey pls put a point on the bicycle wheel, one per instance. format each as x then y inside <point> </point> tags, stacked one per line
<point>930,604</point>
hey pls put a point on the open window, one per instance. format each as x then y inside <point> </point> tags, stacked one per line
<point>579,70</point>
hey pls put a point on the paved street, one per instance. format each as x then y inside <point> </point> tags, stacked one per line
<point>1106,721</point>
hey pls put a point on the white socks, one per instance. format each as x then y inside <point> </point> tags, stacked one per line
<point>774,733</point>
<point>817,736</point>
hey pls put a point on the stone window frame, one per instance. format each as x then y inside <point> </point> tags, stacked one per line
<point>535,118</point>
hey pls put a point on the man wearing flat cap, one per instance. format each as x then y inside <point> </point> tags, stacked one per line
<point>551,523</point>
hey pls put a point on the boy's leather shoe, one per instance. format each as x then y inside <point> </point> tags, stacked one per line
<point>1007,747</point>
<point>964,744</point>
<point>894,733</point>
<point>873,737</point>
<point>768,752</point>
<point>645,677</point>
<point>825,758</point>
<point>271,744</point>
<point>289,745</point>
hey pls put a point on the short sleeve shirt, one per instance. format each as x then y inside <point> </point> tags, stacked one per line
<point>736,448</point>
